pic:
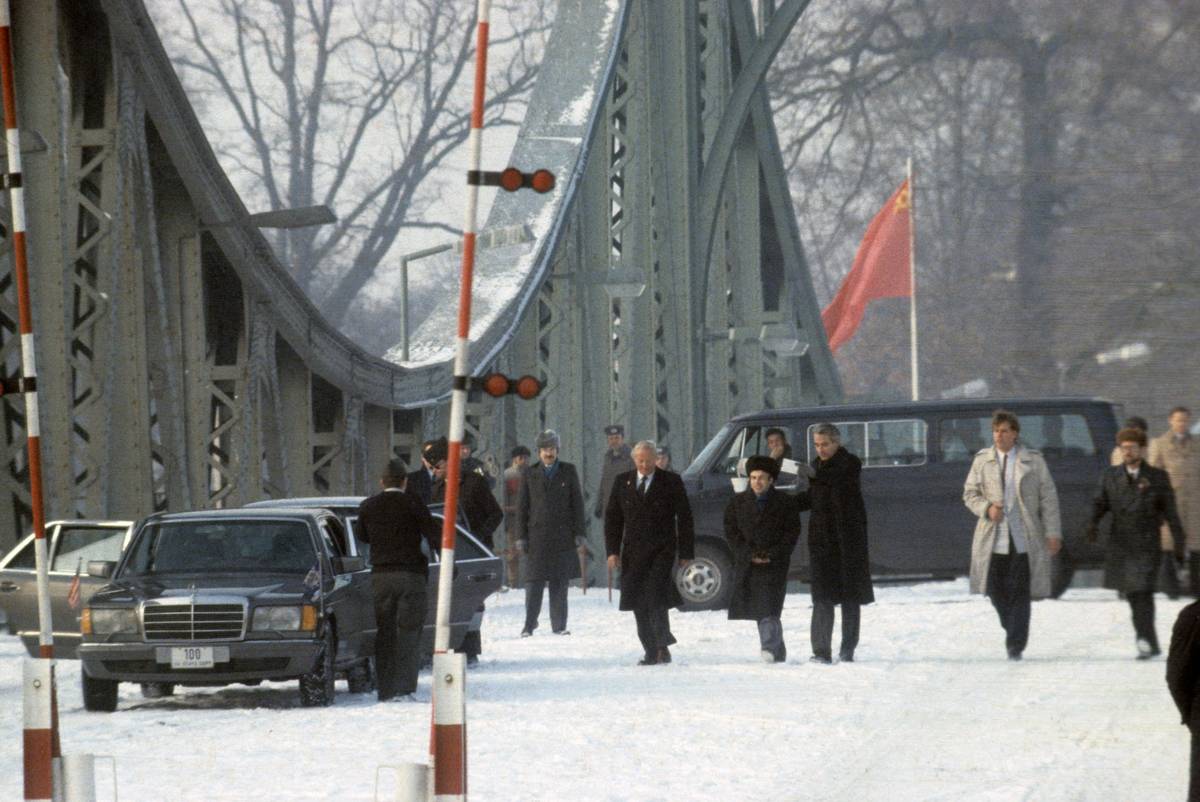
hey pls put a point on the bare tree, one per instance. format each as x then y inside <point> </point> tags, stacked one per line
<point>354,104</point>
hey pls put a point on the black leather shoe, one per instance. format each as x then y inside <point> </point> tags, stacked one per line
<point>649,660</point>
<point>820,658</point>
<point>664,654</point>
<point>846,657</point>
<point>1013,654</point>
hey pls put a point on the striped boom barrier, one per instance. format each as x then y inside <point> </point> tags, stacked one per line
<point>35,755</point>
<point>37,678</point>
<point>448,738</point>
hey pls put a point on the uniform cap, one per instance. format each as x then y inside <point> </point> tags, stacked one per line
<point>615,428</point>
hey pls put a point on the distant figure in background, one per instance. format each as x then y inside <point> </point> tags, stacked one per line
<point>662,458</point>
<point>1140,499</point>
<point>1183,680</point>
<point>762,526</point>
<point>1170,570</point>
<point>777,445</point>
<point>518,462</point>
<point>395,523</point>
<point>617,460</point>
<point>1017,529</point>
<point>1178,453</point>
<point>647,532</point>
<point>420,481</point>
<point>837,544</point>
<point>550,531</point>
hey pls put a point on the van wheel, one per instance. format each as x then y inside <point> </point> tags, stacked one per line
<point>316,687</point>
<point>706,582</point>
<point>99,695</point>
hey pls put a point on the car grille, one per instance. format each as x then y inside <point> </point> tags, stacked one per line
<point>194,620</point>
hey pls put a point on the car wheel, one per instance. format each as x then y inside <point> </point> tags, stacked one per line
<point>706,582</point>
<point>158,690</point>
<point>99,695</point>
<point>361,676</point>
<point>316,687</point>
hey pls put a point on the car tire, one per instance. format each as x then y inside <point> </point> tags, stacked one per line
<point>361,676</point>
<point>99,695</point>
<point>707,581</point>
<point>316,687</point>
<point>158,690</point>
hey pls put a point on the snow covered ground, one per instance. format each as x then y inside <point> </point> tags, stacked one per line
<point>931,710</point>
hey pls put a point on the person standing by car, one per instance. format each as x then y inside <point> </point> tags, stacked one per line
<point>617,460</point>
<point>550,532</point>
<point>837,544</point>
<point>647,531</point>
<point>1017,530</point>
<point>1140,499</point>
<point>1183,680</point>
<point>762,526</point>
<point>1170,569</point>
<point>394,523</point>
<point>1178,453</point>
<point>518,462</point>
<point>420,481</point>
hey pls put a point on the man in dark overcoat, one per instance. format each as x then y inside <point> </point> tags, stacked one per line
<point>1140,499</point>
<point>617,460</point>
<point>647,531</point>
<point>837,544</point>
<point>420,481</point>
<point>762,526</point>
<point>550,533</point>
<point>1183,680</point>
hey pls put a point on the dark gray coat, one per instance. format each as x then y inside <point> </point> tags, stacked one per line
<point>837,531</point>
<point>1138,510</point>
<point>650,535</point>
<point>615,463</point>
<point>759,590</point>
<point>550,523</point>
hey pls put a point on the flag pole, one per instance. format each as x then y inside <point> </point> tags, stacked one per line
<point>912,277</point>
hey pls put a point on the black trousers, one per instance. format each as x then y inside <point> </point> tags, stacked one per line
<point>399,615</point>
<point>1194,573</point>
<point>558,604</point>
<point>653,628</point>
<point>821,629</point>
<point>1141,605</point>
<point>1008,588</point>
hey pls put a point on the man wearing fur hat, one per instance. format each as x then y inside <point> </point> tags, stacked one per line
<point>762,526</point>
<point>550,532</point>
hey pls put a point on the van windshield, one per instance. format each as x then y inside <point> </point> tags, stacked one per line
<point>191,547</point>
<point>704,457</point>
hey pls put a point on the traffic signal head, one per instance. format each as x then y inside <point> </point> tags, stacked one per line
<point>497,384</point>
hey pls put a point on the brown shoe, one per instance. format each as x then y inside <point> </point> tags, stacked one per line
<point>664,654</point>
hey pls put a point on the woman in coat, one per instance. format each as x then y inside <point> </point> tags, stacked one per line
<point>1140,499</point>
<point>762,526</point>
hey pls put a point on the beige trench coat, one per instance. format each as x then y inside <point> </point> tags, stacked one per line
<point>1182,463</point>
<point>1037,500</point>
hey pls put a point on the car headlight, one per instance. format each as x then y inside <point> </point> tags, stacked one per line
<point>276,618</point>
<point>108,621</point>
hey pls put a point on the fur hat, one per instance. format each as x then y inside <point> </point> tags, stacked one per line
<point>761,463</point>
<point>547,439</point>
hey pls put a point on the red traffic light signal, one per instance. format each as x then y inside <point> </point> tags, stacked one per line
<point>497,384</point>
<point>510,179</point>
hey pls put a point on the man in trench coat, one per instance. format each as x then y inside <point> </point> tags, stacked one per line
<point>837,544</point>
<point>1177,452</point>
<point>762,526</point>
<point>647,531</point>
<point>1140,499</point>
<point>550,532</point>
<point>1017,529</point>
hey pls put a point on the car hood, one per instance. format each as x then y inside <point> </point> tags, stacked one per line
<point>279,587</point>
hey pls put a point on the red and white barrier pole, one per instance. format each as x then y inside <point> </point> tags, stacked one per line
<point>13,180</point>
<point>39,735</point>
<point>448,739</point>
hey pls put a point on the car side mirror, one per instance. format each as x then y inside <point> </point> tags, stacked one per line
<point>348,565</point>
<point>101,569</point>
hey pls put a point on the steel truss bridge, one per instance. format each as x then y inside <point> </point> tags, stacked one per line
<point>663,284</point>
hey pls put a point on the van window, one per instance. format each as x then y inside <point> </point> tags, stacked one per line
<point>76,546</point>
<point>750,442</point>
<point>25,558</point>
<point>882,443</point>
<point>1055,435</point>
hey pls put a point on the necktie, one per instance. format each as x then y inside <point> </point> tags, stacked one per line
<point>642,487</point>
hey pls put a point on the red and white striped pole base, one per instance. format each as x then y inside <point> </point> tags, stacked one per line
<point>449,727</point>
<point>38,679</point>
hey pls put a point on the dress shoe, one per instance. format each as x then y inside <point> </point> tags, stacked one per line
<point>562,632</point>
<point>767,656</point>
<point>1013,654</point>
<point>664,654</point>
<point>822,659</point>
<point>846,657</point>
<point>648,660</point>
<point>1146,651</point>
<point>472,659</point>
<point>525,633</point>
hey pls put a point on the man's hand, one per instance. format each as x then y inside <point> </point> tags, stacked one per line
<point>995,513</point>
<point>760,560</point>
<point>1053,545</point>
<point>614,561</point>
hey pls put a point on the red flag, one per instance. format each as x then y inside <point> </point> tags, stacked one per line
<point>73,600</point>
<point>881,270</point>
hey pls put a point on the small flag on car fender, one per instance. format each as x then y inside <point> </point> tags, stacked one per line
<point>73,595</point>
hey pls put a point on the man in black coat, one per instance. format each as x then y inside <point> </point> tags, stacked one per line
<point>762,526</point>
<point>647,530</point>
<point>837,544</point>
<point>550,533</point>
<point>394,523</point>
<point>420,481</point>
<point>1140,499</point>
<point>1183,680</point>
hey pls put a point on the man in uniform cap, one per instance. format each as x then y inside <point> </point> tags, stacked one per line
<point>617,460</point>
<point>420,481</point>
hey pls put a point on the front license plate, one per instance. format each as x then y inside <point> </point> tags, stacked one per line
<point>191,657</point>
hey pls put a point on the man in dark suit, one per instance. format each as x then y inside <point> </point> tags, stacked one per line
<point>433,456</point>
<point>1183,680</point>
<point>394,523</point>
<point>647,530</point>
<point>550,532</point>
<point>1140,499</point>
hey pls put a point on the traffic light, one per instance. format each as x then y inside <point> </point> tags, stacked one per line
<point>511,179</point>
<point>497,385</point>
